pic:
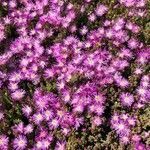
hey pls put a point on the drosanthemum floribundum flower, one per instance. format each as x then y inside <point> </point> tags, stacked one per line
<point>18,94</point>
<point>20,143</point>
<point>127,99</point>
<point>101,10</point>
<point>60,145</point>
<point>4,142</point>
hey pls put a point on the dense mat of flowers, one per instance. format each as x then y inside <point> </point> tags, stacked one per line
<point>74,75</point>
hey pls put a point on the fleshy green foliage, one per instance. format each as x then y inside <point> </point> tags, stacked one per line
<point>3,11</point>
<point>144,117</point>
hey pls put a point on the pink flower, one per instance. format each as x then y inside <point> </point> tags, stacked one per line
<point>18,94</point>
<point>27,110</point>
<point>92,17</point>
<point>101,10</point>
<point>60,146</point>
<point>125,140</point>
<point>28,129</point>
<point>133,43</point>
<point>96,121</point>
<point>20,143</point>
<point>1,116</point>
<point>38,118</point>
<point>84,30</point>
<point>126,99</point>
<point>136,138</point>
<point>54,123</point>
<point>4,142</point>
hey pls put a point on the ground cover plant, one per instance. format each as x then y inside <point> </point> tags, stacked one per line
<point>74,75</point>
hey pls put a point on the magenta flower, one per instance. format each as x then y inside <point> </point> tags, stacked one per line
<point>18,94</point>
<point>44,144</point>
<point>60,146</point>
<point>142,91</point>
<point>20,143</point>
<point>101,10</point>
<point>28,129</point>
<point>126,99</point>
<point>54,123</point>
<point>1,116</point>
<point>136,138</point>
<point>96,121</point>
<point>4,142</point>
<point>27,110</point>
<point>140,146</point>
<point>48,114</point>
<point>38,118</point>
<point>133,43</point>
<point>125,140</point>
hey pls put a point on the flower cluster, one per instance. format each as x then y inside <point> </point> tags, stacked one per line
<point>59,62</point>
<point>122,124</point>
